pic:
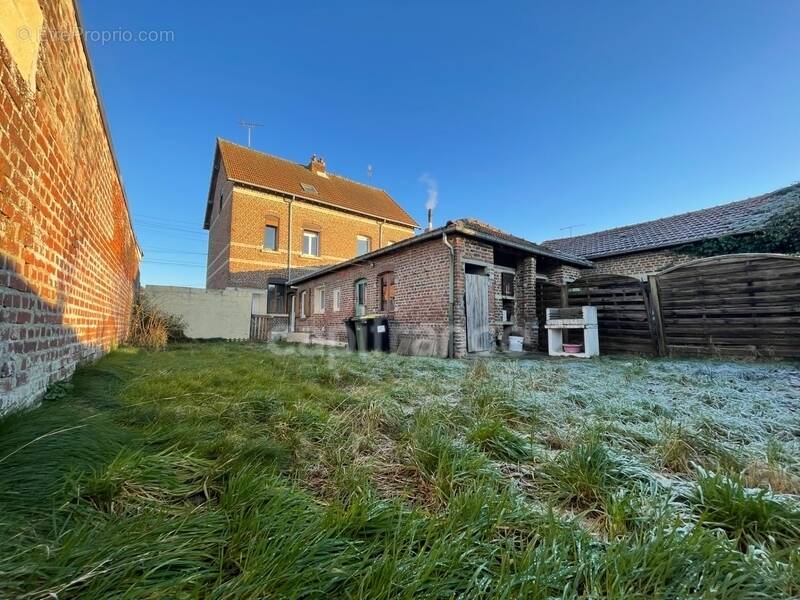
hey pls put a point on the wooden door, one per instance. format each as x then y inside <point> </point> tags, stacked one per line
<point>479,337</point>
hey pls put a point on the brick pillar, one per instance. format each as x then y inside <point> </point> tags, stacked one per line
<point>526,295</point>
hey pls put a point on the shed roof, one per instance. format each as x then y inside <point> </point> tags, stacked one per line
<point>468,227</point>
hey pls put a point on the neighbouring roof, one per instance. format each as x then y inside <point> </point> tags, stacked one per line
<point>727,219</point>
<point>468,227</point>
<point>250,167</point>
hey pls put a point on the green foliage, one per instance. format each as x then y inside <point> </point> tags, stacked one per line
<point>780,234</point>
<point>747,516</point>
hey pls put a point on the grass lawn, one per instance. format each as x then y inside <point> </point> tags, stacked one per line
<point>243,471</point>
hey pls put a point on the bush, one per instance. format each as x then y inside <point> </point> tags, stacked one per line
<point>151,328</point>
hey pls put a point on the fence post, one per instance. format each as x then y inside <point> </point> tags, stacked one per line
<point>655,308</point>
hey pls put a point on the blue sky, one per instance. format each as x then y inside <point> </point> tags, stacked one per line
<point>530,116</point>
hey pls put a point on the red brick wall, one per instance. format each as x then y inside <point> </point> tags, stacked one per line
<point>68,256</point>
<point>422,274</point>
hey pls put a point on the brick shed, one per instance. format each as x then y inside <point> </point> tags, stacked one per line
<point>69,260</point>
<point>453,290</point>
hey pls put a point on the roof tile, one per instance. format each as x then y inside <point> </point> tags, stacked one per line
<point>727,219</point>
<point>261,170</point>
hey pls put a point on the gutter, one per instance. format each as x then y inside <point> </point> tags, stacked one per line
<point>451,303</point>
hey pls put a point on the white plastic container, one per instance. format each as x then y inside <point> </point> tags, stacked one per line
<point>515,343</point>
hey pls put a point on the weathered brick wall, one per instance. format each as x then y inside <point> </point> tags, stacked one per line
<point>640,263</point>
<point>422,275</point>
<point>68,256</point>
<point>248,264</point>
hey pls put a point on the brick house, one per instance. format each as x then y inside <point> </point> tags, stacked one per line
<point>69,260</point>
<point>461,288</point>
<point>647,248</point>
<point>269,218</point>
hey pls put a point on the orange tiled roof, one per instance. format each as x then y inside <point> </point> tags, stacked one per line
<point>262,170</point>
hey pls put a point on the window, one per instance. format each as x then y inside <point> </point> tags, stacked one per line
<point>311,243</point>
<point>303,304</point>
<point>363,244</point>
<point>507,284</point>
<point>308,188</point>
<point>361,297</point>
<point>319,300</point>
<point>276,299</point>
<point>337,300</point>
<point>270,237</point>
<point>258,305</point>
<point>387,291</point>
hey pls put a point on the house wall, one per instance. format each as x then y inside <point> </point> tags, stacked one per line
<point>422,275</point>
<point>250,265</point>
<point>219,234</point>
<point>68,257</point>
<point>422,295</point>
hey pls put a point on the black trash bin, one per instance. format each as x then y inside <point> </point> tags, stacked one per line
<point>352,340</point>
<point>379,334</point>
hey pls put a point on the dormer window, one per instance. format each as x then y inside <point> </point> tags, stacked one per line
<point>308,188</point>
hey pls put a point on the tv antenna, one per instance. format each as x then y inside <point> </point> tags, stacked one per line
<point>369,172</point>
<point>571,227</point>
<point>250,127</point>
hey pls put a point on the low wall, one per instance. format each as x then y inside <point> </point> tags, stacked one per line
<point>207,313</point>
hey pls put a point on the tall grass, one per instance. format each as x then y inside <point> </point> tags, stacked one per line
<point>235,471</point>
<point>151,328</point>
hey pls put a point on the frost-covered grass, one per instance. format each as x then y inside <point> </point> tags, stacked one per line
<point>242,471</point>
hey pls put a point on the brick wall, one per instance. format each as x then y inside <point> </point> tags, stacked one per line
<point>68,256</point>
<point>640,263</point>
<point>422,275</point>
<point>237,235</point>
<point>421,303</point>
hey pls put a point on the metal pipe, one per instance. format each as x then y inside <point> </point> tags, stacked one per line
<point>289,242</point>
<point>451,304</point>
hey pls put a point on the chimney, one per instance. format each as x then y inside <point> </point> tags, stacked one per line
<point>317,164</point>
<point>430,219</point>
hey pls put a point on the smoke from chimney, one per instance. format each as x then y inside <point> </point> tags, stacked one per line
<point>433,196</point>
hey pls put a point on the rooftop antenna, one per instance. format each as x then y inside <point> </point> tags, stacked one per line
<point>369,172</point>
<point>571,227</point>
<point>250,127</point>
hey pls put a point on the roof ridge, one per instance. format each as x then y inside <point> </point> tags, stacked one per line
<point>781,191</point>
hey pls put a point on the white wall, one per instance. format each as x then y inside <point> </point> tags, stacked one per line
<point>207,313</point>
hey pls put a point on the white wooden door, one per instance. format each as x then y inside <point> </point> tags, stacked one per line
<point>479,337</point>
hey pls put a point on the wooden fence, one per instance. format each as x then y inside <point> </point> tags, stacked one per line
<point>739,304</point>
<point>260,328</point>
<point>733,305</point>
<point>623,311</point>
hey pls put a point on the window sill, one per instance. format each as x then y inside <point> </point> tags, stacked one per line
<point>268,251</point>
<point>310,256</point>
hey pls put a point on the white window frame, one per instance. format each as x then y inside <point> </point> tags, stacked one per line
<point>337,300</point>
<point>319,300</point>
<point>311,235</point>
<point>303,314</point>
<point>363,238</point>
<point>356,305</point>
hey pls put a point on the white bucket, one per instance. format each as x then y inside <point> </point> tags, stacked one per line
<point>515,343</point>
